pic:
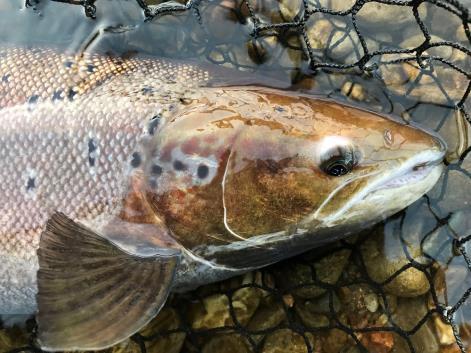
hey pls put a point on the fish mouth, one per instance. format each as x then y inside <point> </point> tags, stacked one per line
<point>414,171</point>
<point>394,191</point>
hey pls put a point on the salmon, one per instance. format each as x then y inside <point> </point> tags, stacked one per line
<point>124,179</point>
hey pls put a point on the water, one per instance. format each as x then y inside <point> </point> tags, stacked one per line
<point>222,32</point>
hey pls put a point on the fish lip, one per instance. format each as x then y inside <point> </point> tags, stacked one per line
<point>414,170</point>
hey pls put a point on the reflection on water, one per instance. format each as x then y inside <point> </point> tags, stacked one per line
<point>418,267</point>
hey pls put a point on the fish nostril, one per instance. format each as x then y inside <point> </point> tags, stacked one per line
<point>420,166</point>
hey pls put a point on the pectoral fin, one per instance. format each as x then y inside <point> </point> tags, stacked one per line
<point>91,293</point>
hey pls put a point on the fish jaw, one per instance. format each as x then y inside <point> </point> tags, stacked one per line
<point>394,191</point>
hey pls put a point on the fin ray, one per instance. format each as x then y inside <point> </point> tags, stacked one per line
<point>84,304</point>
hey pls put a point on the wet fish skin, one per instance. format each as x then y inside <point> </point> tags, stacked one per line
<point>68,151</point>
<point>231,176</point>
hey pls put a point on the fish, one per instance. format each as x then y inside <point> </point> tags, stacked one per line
<point>126,178</point>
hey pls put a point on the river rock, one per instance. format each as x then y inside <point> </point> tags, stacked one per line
<point>245,301</point>
<point>454,198</point>
<point>360,305</point>
<point>12,338</point>
<point>335,341</point>
<point>230,343</point>
<point>378,342</point>
<point>353,90</point>
<point>284,340</point>
<point>268,315</point>
<point>345,46</point>
<point>461,35</point>
<point>444,332</point>
<point>318,32</point>
<point>328,270</point>
<point>460,222</point>
<point>407,316</point>
<point>289,10</point>
<point>211,312</point>
<point>336,5</point>
<point>444,51</point>
<point>386,17</point>
<point>383,257</point>
<point>334,37</point>
<point>406,79</point>
<point>309,316</point>
<point>260,50</point>
<point>167,319</point>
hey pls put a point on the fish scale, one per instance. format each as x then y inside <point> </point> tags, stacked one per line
<point>46,140</point>
<point>53,76</point>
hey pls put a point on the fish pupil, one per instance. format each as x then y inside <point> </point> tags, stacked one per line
<point>338,168</point>
<point>202,171</point>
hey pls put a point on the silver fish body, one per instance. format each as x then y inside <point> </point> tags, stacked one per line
<point>70,150</point>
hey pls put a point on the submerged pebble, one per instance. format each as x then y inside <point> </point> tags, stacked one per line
<point>327,270</point>
<point>284,340</point>
<point>229,343</point>
<point>382,262</point>
<point>385,17</point>
<point>407,315</point>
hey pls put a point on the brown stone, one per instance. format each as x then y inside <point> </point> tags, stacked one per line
<point>383,257</point>
<point>166,320</point>
<point>284,340</point>
<point>230,343</point>
<point>378,342</point>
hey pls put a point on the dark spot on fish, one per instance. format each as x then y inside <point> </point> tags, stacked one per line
<point>153,124</point>
<point>147,90</point>
<point>152,183</point>
<point>71,94</point>
<point>90,68</point>
<point>33,99</point>
<point>92,147</point>
<point>135,160</point>
<point>279,109</point>
<point>57,95</point>
<point>179,165</point>
<point>68,64</point>
<point>202,171</point>
<point>185,101</point>
<point>5,78</point>
<point>156,169</point>
<point>31,184</point>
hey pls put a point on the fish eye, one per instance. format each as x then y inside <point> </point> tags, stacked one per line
<point>339,160</point>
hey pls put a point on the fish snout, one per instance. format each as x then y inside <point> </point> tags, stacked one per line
<point>439,145</point>
<point>435,155</point>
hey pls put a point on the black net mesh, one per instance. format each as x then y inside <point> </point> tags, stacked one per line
<point>400,287</point>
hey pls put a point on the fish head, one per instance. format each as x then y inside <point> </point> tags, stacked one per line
<point>368,166</point>
<point>244,163</point>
